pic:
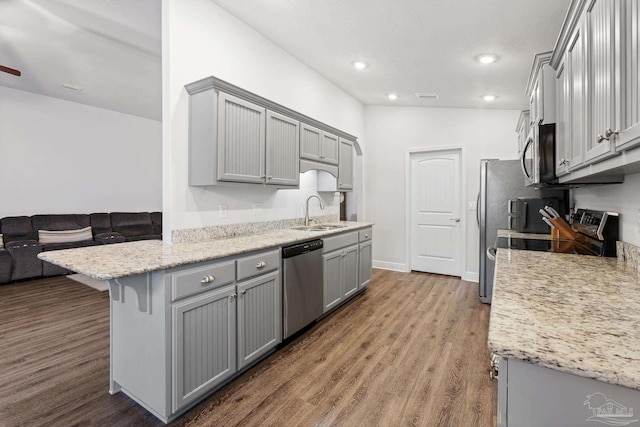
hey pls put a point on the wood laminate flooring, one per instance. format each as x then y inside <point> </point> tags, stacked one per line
<point>410,351</point>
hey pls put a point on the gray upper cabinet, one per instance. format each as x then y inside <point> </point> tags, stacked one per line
<point>563,111</point>
<point>630,135</point>
<point>204,344</point>
<point>576,69</point>
<point>329,153</point>
<point>345,167</point>
<point>259,317</point>
<point>318,145</point>
<point>603,61</point>
<point>541,91</point>
<point>283,145</point>
<point>241,140</point>
<point>237,137</point>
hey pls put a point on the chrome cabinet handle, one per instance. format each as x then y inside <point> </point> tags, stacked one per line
<point>261,264</point>
<point>207,279</point>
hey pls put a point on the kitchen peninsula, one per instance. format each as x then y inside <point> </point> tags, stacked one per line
<point>567,330</point>
<point>185,318</point>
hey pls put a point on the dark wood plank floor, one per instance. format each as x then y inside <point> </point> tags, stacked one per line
<point>410,351</point>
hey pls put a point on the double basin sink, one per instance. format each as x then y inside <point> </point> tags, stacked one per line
<point>318,227</point>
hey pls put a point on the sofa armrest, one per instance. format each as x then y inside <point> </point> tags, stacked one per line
<point>26,263</point>
<point>108,238</point>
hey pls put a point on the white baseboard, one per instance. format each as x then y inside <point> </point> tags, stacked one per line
<point>470,276</point>
<point>393,266</point>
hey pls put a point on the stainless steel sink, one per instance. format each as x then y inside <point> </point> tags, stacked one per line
<point>318,227</point>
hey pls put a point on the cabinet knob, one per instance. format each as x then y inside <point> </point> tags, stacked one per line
<point>207,279</point>
<point>366,236</point>
<point>454,219</point>
<point>244,291</point>
<point>269,178</point>
<point>612,132</point>
<point>261,264</point>
<point>602,138</point>
<point>233,296</point>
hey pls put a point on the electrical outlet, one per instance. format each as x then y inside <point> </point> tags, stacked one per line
<point>222,210</point>
<point>257,208</point>
<point>472,205</point>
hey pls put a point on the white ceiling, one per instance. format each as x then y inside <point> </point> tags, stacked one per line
<point>112,48</point>
<point>413,45</point>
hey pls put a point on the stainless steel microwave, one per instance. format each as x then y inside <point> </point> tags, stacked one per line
<point>538,156</point>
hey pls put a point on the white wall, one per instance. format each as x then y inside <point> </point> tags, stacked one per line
<point>391,131</point>
<point>58,156</point>
<point>623,198</point>
<point>200,40</point>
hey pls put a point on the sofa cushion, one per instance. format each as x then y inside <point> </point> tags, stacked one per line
<point>58,222</point>
<point>68,245</point>
<point>132,224</point>
<point>64,236</point>
<point>16,228</point>
<point>100,223</point>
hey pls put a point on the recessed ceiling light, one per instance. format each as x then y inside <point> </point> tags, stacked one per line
<point>392,96</point>
<point>360,65</point>
<point>487,59</point>
<point>426,95</point>
<point>489,98</point>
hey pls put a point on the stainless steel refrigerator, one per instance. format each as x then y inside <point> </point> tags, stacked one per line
<point>500,182</point>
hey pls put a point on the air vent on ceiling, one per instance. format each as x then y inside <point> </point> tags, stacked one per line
<point>426,95</point>
<point>71,87</point>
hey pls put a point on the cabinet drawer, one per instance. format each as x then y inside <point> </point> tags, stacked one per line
<point>340,241</point>
<point>365,235</point>
<point>257,264</point>
<point>199,279</point>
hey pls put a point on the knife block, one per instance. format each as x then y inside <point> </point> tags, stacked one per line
<point>564,230</point>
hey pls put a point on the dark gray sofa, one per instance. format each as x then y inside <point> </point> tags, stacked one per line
<point>19,258</point>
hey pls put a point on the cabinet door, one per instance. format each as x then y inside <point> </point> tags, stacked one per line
<point>533,104</point>
<point>259,317</point>
<point>576,67</point>
<point>310,142</point>
<point>329,149</point>
<point>204,344</point>
<point>332,279</point>
<point>350,270</point>
<point>563,125</point>
<point>283,150</point>
<point>630,135</point>
<point>602,79</point>
<point>345,168</point>
<point>364,261</point>
<point>241,140</point>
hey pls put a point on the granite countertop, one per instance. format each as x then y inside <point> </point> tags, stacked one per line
<point>573,313</point>
<point>107,262</point>
<point>514,234</point>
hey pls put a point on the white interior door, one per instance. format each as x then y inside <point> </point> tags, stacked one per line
<point>435,212</point>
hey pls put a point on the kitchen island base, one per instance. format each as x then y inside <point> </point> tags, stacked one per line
<point>531,396</point>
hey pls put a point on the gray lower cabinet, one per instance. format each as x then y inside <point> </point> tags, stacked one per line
<point>259,317</point>
<point>204,344</point>
<point>340,268</point>
<point>364,264</point>
<point>531,396</point>
<point>350,271</point>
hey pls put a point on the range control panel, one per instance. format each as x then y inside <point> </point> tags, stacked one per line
<point>600,225</point>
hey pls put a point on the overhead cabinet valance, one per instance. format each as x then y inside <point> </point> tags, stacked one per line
<point>236,136</point>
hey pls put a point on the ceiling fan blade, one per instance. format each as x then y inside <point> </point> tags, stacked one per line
<point>10,70</point>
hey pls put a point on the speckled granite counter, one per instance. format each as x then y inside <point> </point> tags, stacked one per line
<point>514,234</point>
<point>573,313</point>
<point>107,262</point>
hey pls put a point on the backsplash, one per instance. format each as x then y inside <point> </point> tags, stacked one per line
<point>190,235</point>
<point>629,254</point>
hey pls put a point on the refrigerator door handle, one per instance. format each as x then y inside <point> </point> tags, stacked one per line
<point>478,210</point>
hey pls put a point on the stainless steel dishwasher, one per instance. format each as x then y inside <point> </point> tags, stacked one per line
<point>302,278</point>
